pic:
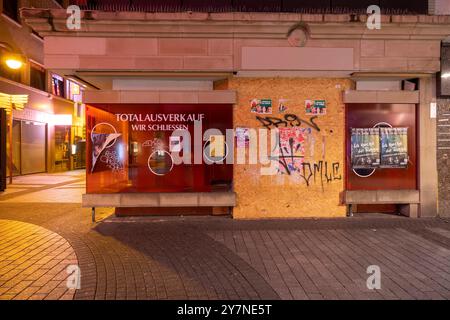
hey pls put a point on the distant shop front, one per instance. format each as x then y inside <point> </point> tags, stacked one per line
<point>40,134</point>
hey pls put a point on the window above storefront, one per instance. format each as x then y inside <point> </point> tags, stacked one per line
<point>66,88</point>
<point>11,9</point>
<point>37,76</point>
<point>74,91</point>
<point>58,88</point>
<point>443,79</point>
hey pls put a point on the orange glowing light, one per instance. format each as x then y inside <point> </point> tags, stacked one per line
<point>13,63</point>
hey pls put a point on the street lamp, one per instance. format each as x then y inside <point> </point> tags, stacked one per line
<point>13,63</point>
<point>12,59</point>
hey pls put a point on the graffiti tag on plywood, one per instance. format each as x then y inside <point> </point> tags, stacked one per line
<point>289,120</point>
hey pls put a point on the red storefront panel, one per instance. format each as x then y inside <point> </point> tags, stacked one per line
<point>128,148</point>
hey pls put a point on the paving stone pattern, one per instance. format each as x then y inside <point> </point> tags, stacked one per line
<point>213,257</point>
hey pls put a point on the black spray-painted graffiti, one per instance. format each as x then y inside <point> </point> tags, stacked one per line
<point>290,120</point>
<point>317,172</point>
<point>320,170</point>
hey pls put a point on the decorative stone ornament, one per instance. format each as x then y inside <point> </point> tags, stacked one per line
<point>298,35</point>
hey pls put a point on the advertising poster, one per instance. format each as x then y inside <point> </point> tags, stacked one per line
<point>242,137</point>
<point>365,148</point>
<point>394,147</point>
<point>217,146</point>
<point>263,106</point>
<point>282,105</point>
<point>174,144</point>
<point>104,148</point>
<point>315,107</point>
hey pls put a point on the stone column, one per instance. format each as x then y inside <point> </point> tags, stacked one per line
<point>428,182</point>
<point>443,156</point>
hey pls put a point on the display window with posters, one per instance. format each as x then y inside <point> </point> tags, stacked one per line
<point>381,147</point>
<point>131,148</point>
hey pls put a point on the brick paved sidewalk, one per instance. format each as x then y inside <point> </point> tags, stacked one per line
<point>33,262</point>
<point>64,187</point>
<point>219,258</point>
<point>216,257</point>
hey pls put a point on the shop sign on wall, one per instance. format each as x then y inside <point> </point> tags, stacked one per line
<point>159,121</point>
<point>365,148</point>
<point>315,107</point>
<point>394,147</point>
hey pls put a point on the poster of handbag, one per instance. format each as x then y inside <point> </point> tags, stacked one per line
<point>365,148</point>
<point>315,107</point>
<point>101,142</point>
<point>263,106</point>
<point>394,147</point>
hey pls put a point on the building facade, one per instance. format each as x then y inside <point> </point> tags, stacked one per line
<point>351,106</point>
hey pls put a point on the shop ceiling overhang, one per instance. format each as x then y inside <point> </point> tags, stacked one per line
<point>235,25</point>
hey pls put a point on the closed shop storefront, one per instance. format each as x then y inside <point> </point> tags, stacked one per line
<point>349,107</point>
<point>132,151</point>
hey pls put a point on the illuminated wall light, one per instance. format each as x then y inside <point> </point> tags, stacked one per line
<point>46,117</point>
<point>44,107</point>
<point>121,152</point>
<point>445,75</point>
<point>134,148</point>
<point>74,149</point>
<point>14,64</point>
<point>13,60</point>
<point>77,83</point>
<point>61,119</point>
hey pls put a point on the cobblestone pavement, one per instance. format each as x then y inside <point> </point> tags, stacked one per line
<point>33,262</point>
<point>59,187</point>
<point>221,258</point>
